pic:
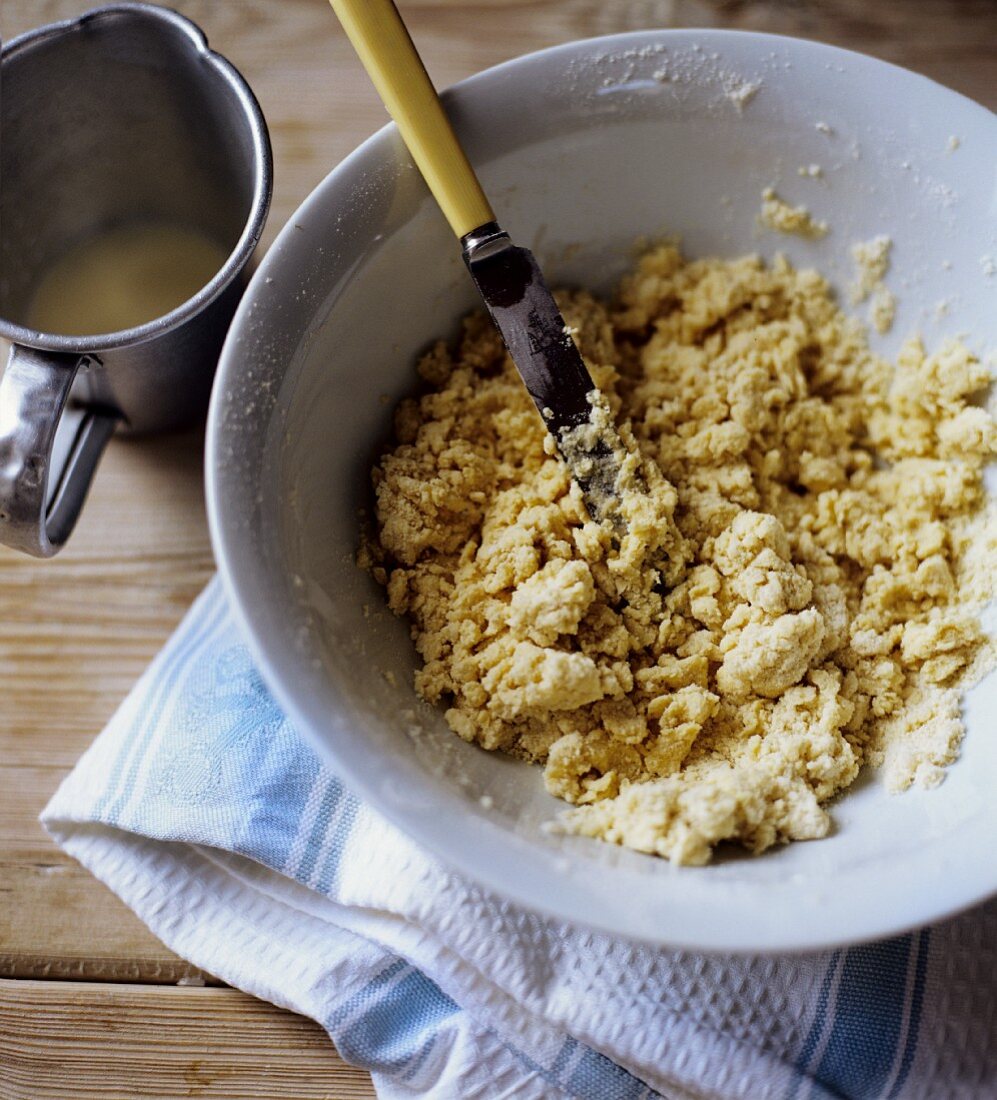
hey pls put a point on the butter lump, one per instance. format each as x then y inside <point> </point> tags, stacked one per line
<point>768,657</point>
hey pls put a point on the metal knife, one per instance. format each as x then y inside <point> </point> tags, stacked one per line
<point>507,276</point>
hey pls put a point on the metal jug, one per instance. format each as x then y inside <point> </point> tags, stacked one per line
<point>123,115</point>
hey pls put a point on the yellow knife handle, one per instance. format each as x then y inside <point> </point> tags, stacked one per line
<point>383,44</point>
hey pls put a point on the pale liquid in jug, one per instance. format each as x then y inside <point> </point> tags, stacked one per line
<point>122,278</point>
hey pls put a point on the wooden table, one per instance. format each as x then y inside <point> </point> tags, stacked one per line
<point>91,1004</point>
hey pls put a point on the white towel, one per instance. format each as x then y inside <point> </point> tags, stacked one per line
<point>202,808</point>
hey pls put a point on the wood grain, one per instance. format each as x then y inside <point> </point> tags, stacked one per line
<point>76,632</point>
<point>57,921</point>
<point>319,104</point>
<point>104,1041</point>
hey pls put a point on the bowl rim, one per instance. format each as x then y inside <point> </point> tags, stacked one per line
<point>243,572</point>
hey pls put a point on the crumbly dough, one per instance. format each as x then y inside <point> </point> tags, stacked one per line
<point>777,214</point>
<point>872,261</point>
<point>792,591</point>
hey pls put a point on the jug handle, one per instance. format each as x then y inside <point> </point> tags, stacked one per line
<point>39,504</point>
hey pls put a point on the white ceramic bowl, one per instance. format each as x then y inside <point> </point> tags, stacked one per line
<point>583,149</point>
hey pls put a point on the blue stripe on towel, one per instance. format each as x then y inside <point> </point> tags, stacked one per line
<point>569,1048</point>
<point>917,1000</point>
<point>393,1023</point>
<point>868,1017</point>
<point>597,1077</point>
<point>330,800</point>
<point>585,1073</point>
<point>817,1026</point>
<point>119,789</point>
<point>342,827</point>
<point>285,774</point>
<point>593,1076</point>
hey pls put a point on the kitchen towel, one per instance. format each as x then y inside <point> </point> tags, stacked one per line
<point>204,810</point>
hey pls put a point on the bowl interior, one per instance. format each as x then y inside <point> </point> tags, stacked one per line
<point>585,150</point>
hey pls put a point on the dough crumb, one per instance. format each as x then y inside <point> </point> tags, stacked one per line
<point>742,92</point>
<point>778,215</point>
<point>794,592</point>
<point>810,171</point>
<point>882,310</point>
<point>872,262</point>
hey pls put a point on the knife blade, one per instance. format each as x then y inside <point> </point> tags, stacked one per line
<point>523,308</point>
